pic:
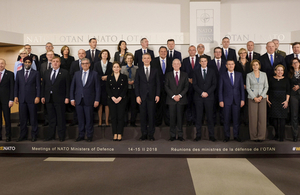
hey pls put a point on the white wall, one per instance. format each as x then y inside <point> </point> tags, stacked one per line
<point>144,16</point>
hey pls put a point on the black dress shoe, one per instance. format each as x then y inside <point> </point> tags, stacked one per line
<point>21,139</point>
<point>89,139</point>
<point>115,139</point>
<point>45,124</point>
<point>295,138</point>
<point>151,138</point>
<point>79,139</point>
<point>143,137</point>
<point>73,124</point>
<point>33,139</point>
<point>213,139</point>
<point>8,139</point>
<point>0,138</point>
<point>120,139</point>
<point>275,137</point>
<point>133,125</point>
<point>48,139</point>
<point>198,138</point>
<point>226,139</point>
<point>61,139</point>
<point>237,139</point>
<point>181,139</point>
<point>172,139</point>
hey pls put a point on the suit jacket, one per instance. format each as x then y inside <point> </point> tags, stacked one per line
<point>231,94</point>
<point>187,66</point>
<point>239,68</point>
<point>7,88</point>
<point>89,93</point>
<point>255,56</point>
<point>116,88</point>
<point>266,64</point>
<point>89,56</point>
<point>208,85</point>
<point>27,91</point>
<point>66,63</point>
<point>117,58</point>
<point>74,68</point>
<point>207,56</point>
<point>172,89</point>
<point>43,68</point>
<point>212,64</point>
<point>254,88</point>
<point>98,69</point>
<point>133,73</point>
<point>288,60</point>
<point>176,55</point>
<point>231,55</point>
<point>156,63</point>
<point>144,88</point>
<point>35,58</point>
<point>43,57</point>
<point>138,54</point>
<point>60,88</point>
<point>282,53</point>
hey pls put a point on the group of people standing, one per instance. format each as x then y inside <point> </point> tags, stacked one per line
<point>165,88</point>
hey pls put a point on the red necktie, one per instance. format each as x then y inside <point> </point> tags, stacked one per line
<point>193,63</point>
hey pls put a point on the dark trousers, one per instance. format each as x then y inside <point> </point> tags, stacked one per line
<point>85,120</point>
<point>147,111</point>
<point>6,112</point>
<point>218,110</point>
<point>131,106</point>
<point>28,111</point>
<point>190,111</point>
<point>294,105</point>
<point>56,115</point>
<point>162,110</point>
<point>207,105</point>
<point>117,113</point>
<point>231,112</point>
<point>176,118</point>
<point>244,111</point>
<point>279,125</point>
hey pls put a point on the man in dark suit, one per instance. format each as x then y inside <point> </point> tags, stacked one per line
<point>279,52</point>
<point>228,53</point>
<point>43,57</point>
<point>138,54</point>
<point>163,65</point>
<point>147,90</point>
<point>251,55</point>
<point>55,94</point>
<point>76,66</point>
<point>34,57</point>
<point>231,98</point>
<point>6,98</point>
<point>204,83</point>
<point>295,54</point>
<point>27,94</point>
<point>270,60</point>
<point>85,95</point>
<point>176,86</point>
<point>93,53</point>
<point>172,53</point>
<point>219,66</point>
<point>189,64</point>
<point>201,49</point>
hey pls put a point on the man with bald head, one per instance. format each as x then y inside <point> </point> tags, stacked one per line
<point>201,49</point>
<point>76,66</point>
<point>176,86</point>
<point>270,60</point>
<point>6,98</point>
<point>251,55</point>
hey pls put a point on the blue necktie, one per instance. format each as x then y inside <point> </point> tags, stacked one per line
<point>144,51</point>
<point>226,54</point>
<point>163,66</point>
<point>231,78</point>
<point>53,77</point>
<point>272,61</point>
<point>83,79</point>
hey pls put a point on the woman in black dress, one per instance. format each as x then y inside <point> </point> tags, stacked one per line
<point>294,76</point>
<point>120,54</point>
<point>116,87</point>
<point>66,59</point>
<point>278,99</point>
<point>104,68</point>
